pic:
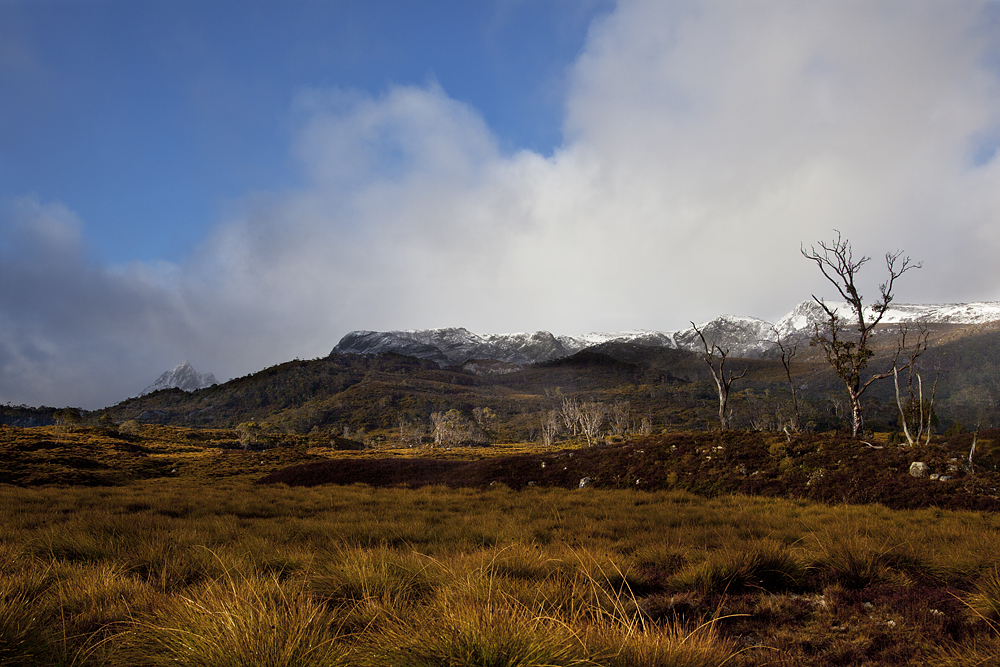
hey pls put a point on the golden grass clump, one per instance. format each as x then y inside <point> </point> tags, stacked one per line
<point>25,631</point>
<point>636,644</point>
<point>984,602</point>
<point>495,633</point>
<point>241,621</point>
<point>755,566</point>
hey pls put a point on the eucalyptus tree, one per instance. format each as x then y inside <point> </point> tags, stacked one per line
<point>847,351</point>
<point>715,356</point>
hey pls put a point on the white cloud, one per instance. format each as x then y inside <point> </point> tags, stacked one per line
<point>72,332</point>
<point>704,142</point>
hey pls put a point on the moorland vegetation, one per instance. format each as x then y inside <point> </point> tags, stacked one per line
<point>168,545</point>
<point>174,571</point>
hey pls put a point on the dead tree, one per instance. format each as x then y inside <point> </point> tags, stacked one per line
<point>550,427</point>
<point>916,413</point>
<point>787,352</point>
<point>592,417</point>
<point>849,354</point>
<point>410,434</point>
<point>716,357</point>
<point>570,414</point>
<point>621,418</point>
<point>450,428</point>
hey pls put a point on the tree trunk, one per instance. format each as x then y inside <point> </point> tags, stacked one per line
<point>858,420</point>
<point>723,401</point>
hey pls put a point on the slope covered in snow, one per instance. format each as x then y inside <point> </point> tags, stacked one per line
<point>808,313</point>
<point>183,376</point>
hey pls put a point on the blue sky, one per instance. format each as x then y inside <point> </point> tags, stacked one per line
<point>237,184</point>
<point>150,117</point>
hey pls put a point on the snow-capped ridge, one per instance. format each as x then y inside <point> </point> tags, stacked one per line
<point>740,336</point>
<point>183,376</point>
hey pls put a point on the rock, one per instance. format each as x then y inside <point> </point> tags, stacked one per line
<point>182,377</point>
<point>585,482</point>
<point>918,469</point>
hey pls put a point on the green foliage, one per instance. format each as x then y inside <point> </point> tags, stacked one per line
<point>68,417</point>
<point>251,435</point>
<point>129,426</point>
<point>954,429</point>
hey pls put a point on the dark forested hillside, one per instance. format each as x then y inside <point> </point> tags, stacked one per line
<point>658,387</point>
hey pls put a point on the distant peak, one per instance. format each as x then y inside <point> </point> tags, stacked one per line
<point>184,377</point>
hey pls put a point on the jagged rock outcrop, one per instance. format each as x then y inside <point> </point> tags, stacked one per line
<point>455,346</point>
<point>183,377</point>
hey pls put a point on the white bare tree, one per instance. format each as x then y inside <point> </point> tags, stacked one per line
<point>570,414</point>
<point>486,420</point>
<point>550,426</point>
<point>592,416</point>
<point>788,351</point>
<point>410,434</point>
<point>450,428</point>
<point>716,357</point>
<point>916,413</point>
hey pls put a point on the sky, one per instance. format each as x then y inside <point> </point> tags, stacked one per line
<point>241,183</point>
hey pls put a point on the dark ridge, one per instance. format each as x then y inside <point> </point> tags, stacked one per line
<point>587,357</point>
<point>647,355</point>
<point>821,467</point>
<point>346,444</point>
<point>374,472</point>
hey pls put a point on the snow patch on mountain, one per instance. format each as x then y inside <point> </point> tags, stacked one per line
<point>809,313</point>
<point>184,377</point>
<point>739,336</point>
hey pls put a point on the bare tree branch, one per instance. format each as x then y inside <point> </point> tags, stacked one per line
<point>722,381</point>
<point>849,354</point>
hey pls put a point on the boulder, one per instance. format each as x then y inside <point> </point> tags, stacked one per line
<point>918,469</point>
<point>585,482</point>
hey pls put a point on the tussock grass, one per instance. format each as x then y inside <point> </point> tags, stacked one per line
<point>671,645</point>
<point>495,633</point>
<point>25,636</point>
<point>985,600</point>
<point>241,621</point>
<point>755,566</point>
<point>179,572</point>
<point>856,560</point>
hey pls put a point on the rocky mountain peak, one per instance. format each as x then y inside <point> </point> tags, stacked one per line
<point>184,377</point>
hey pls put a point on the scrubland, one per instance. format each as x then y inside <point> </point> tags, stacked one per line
<point>188,560</point>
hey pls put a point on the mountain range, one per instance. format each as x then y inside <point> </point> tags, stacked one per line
<point>745,337</point>
<point>383,382</point>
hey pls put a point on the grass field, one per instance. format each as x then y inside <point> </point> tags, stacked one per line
<point>203,566</point>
